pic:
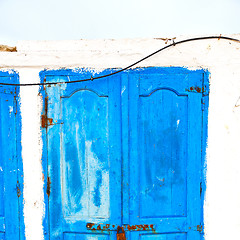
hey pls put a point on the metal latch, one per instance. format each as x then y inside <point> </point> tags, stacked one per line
<point>121,233</point>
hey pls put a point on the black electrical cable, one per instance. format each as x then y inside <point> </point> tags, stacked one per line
<point>119,71</point>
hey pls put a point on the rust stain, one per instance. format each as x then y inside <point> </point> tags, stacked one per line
<point>196,89</point>
<point>48,186</point>
<point>146,226</point>
<point>18,190</point>
<point>90,225</point>
<point>45,122</point>
<point>199,228</point>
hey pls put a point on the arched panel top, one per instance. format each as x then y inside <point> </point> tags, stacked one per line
<point>181,84</point>
<point>160,89</point>
<point>99,94</point>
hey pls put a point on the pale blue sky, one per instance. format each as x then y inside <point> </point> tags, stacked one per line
<point>93,19</point>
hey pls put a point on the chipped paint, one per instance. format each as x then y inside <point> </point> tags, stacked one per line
<point>196,89</point>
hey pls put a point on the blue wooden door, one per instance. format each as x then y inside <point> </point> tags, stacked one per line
<point>84,157</point>
<point>10,168</point>
<point>125,151</point>
<point>165,154</point>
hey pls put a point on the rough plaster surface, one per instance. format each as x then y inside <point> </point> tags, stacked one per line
<point>31,153</point>
<point>220,57</point>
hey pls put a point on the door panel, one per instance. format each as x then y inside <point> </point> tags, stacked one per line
<point>125,151</point>
<point>162,131</point>
<point>168,236</point>
<point>165,154</point>
<point>84,154</point>
<point>85,151</point>
<point>81,236</point>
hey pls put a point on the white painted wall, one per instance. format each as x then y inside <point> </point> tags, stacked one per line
<point>220,57</point>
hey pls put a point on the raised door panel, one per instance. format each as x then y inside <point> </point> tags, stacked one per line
<point>162,131</point>
<point>163,236</point>
<point>85,151</point>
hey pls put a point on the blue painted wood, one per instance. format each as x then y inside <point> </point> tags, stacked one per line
<point>164,236</point>
<point>165,125</point>
<point>126,150</point>
<point>82,236</point>
<point>10,160</point>
<point>83,155</point>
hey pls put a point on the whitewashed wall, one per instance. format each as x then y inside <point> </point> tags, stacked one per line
<point>220,57</point>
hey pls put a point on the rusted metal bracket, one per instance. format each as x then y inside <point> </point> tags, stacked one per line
<point>196,89</point>
<point>45,120</point>
<point>113,227</point>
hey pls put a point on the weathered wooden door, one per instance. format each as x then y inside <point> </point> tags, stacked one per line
<point>165,158</point>
<point>84,157</point>
<point>10,155</point>
<point>124,154</point>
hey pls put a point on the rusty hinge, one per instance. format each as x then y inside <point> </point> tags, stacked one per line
<point>48,186</point>
<point>18,189</point>
<point>45,121</point>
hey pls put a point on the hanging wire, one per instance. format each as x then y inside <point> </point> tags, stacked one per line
<point>126,68</point>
